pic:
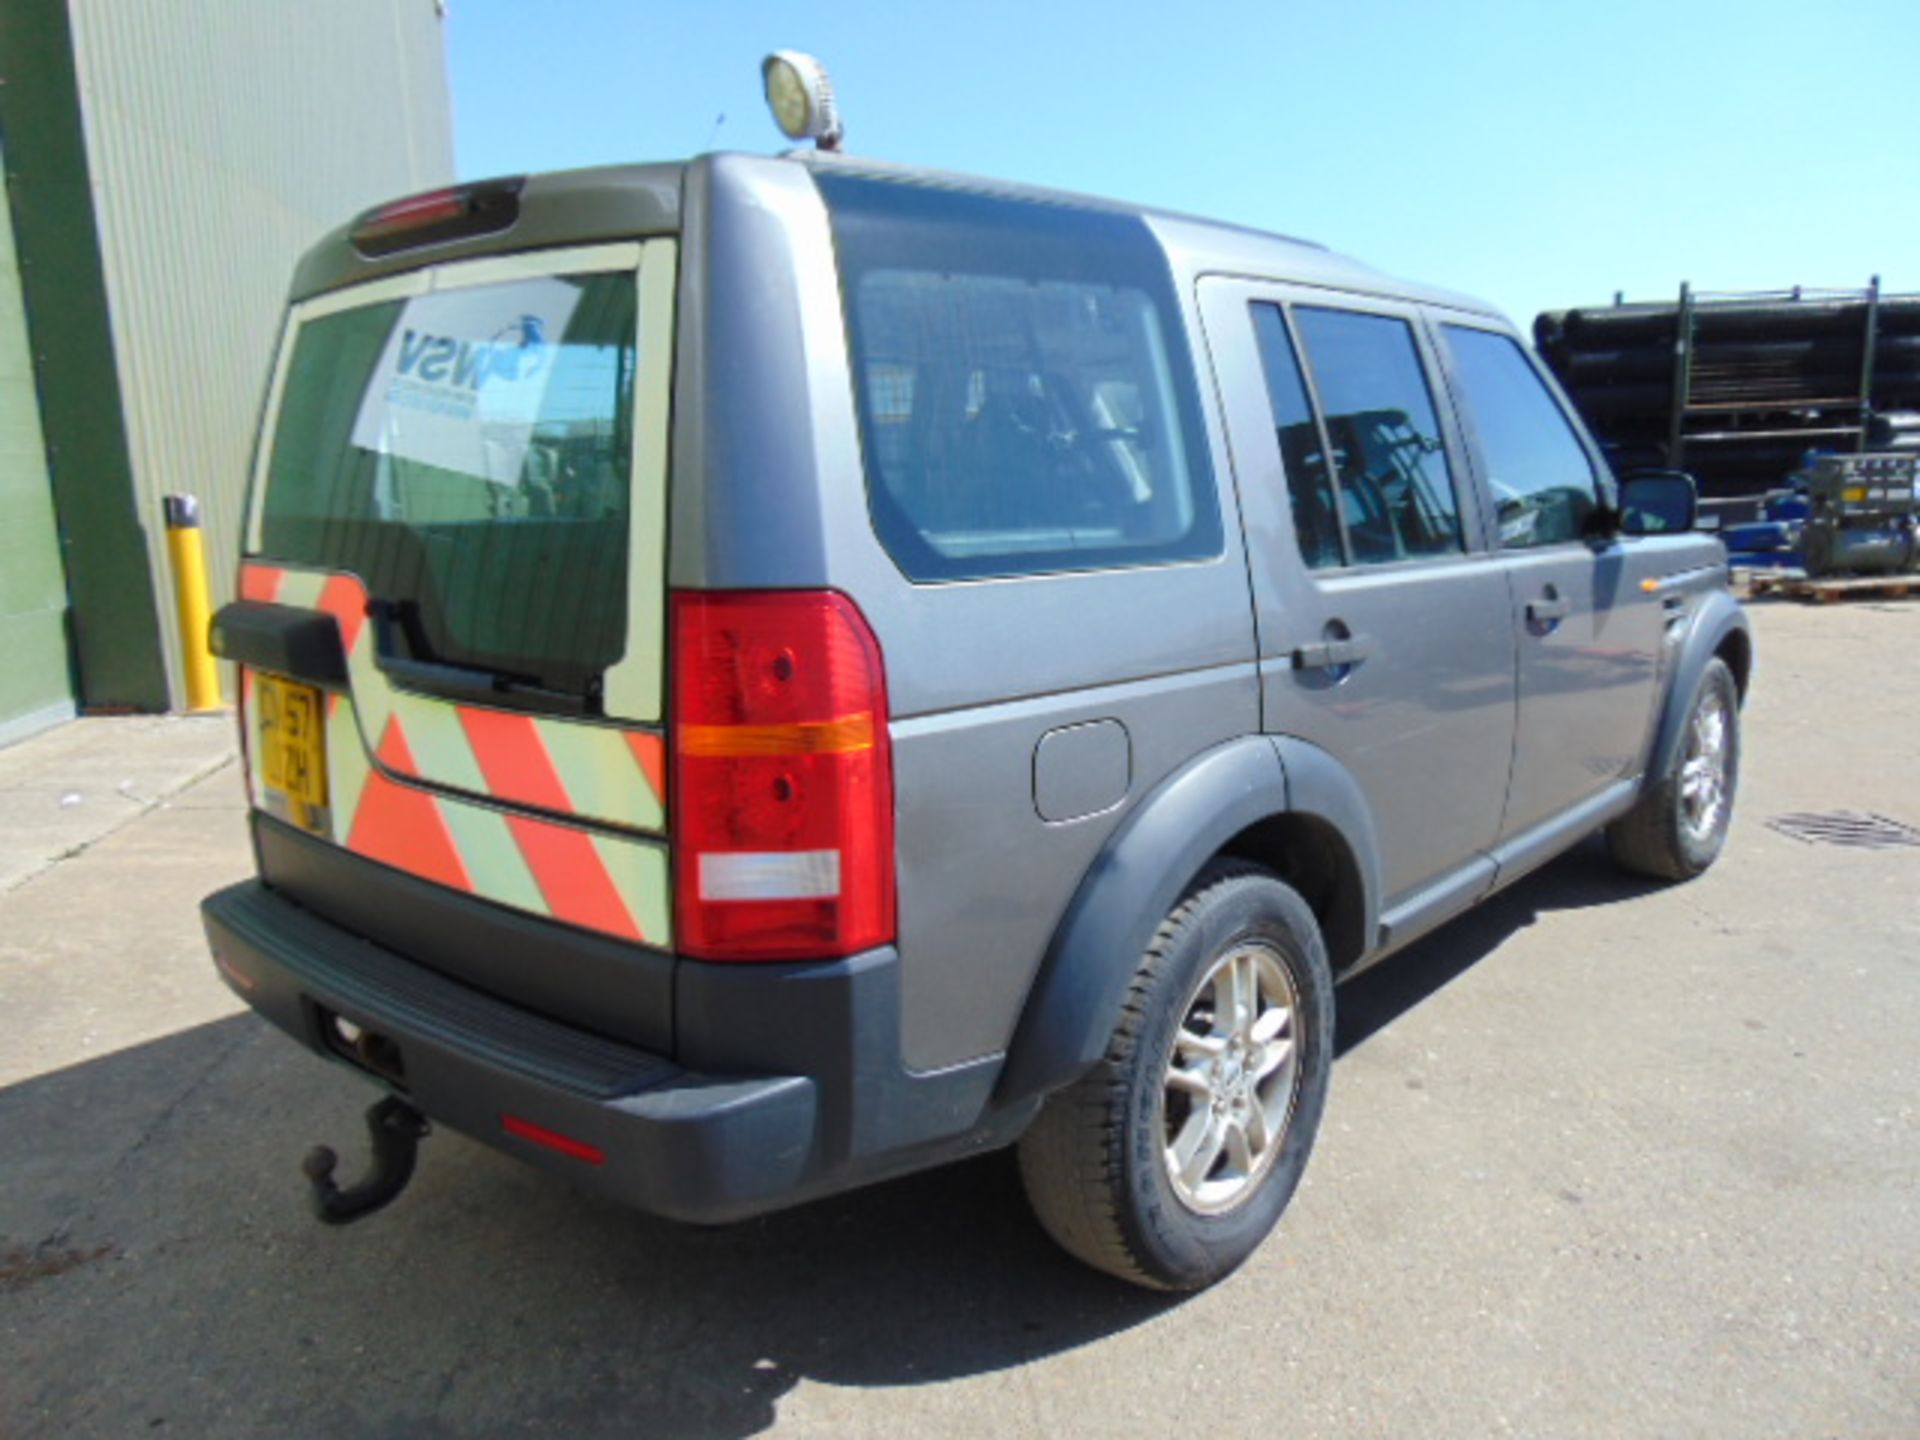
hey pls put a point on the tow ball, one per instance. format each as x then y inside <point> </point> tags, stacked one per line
<point>397,1130</point>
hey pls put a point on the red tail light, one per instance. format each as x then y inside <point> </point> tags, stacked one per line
<point>782,777</point>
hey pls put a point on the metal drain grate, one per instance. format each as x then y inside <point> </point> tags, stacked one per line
<point>1856,829</point>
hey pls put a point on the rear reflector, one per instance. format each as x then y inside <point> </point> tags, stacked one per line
<point>553,1140</point>
<point>782,778</point>
<point>788,875</point>
<point>439,216</point>
<point>239,977</point>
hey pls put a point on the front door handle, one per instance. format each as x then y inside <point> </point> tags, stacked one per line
<point>1549,608</point>
<point>1331,654</point>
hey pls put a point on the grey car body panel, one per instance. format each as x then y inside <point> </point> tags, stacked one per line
<point>1200,247</point>
<point>772,493</point>
<point>1425,721</point>
<point>763,430</point>
<point>983,879</point>
<point>1587,682</point>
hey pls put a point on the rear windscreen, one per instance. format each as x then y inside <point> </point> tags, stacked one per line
<point>1027,401</point>
<point>467,454</point>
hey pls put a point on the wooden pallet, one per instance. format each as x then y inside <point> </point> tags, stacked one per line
<point>1826,591</point>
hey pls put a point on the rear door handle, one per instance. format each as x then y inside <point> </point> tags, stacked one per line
<point>1331,654</point>
<point>1548,609</point>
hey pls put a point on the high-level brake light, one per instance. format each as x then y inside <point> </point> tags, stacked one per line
<point>438,216</point>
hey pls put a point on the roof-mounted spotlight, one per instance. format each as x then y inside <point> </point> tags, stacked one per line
<point>801,98</point>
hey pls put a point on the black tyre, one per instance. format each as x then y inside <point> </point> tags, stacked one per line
<point>1171,1160</point>
<point>1677,828</point>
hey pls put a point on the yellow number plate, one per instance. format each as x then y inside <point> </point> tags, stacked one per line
<point>293,744</point>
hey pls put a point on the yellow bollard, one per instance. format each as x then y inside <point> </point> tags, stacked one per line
<point>190,595</point>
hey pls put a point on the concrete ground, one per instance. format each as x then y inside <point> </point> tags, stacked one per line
<point>1602,1159</point>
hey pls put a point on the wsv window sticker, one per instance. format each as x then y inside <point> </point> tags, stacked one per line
<point>464,378</point>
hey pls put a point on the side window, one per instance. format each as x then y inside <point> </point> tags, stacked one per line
<point>1543,485</point>
<point>1022,425</point>
<point>1026,398</point>
<point>1396,491</point>
<point>1309,481</point>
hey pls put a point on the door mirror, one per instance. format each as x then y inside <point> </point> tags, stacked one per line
<point>1657,502</point>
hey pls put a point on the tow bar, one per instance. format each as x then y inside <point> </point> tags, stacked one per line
<point>397,1129</point>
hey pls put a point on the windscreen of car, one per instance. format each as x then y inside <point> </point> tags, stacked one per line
<point>466,452</point>
<point>1026,396</point>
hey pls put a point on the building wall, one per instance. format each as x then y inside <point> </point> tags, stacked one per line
<point>112,624</point>
<point>224,138</point>
<point>35,688</point>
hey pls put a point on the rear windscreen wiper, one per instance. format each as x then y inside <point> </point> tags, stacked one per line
<point>463,682</point>
<point>460,682</point>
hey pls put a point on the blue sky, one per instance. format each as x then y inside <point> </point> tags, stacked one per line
<point>1537,154</point>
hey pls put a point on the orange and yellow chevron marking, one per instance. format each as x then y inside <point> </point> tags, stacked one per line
<point>606,773</point>
<point>260,582</point>
<point>402,826</point>
<point>345,598</point>
<point>516,766</point>
<point>650,752</point>
<point>384,746</point>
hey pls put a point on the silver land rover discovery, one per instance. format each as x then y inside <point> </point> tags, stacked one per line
<point>766,674</point>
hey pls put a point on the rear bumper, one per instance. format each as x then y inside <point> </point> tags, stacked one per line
<point>712,1144</point>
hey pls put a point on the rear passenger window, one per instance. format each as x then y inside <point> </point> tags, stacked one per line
<point>1397,499</point>
<point>1543,484</point>
<point>1026,397</point>
<point>1309,482</point>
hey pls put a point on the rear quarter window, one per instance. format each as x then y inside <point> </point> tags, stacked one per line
<point>1026,395</point>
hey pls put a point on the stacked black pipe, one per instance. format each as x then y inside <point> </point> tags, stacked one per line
<point>1770,378</point>
<point>1896,431</point>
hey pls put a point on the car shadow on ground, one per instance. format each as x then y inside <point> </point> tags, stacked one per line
<point>491,1297</point>
<point>1581,879</point>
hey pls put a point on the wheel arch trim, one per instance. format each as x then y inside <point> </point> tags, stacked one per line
<point>1720,627</point>
<point>1138,878</point>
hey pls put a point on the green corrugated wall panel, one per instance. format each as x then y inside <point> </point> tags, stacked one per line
<point>34,678</point>
<point>225,138</point>
<point>34,692</point>
<point>115,627</point>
